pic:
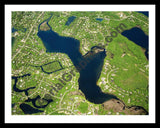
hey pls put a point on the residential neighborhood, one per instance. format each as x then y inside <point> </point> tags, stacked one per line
<point>53,83</point>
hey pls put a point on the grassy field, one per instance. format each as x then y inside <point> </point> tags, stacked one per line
<point>52,66</point>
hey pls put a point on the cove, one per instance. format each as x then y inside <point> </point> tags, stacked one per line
<point>90,74</point>
<point>27,109</point>
<point>17,89</point>
<point>146,13</point>
<point>136,35</point>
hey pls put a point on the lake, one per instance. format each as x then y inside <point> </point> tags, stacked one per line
<point>136,35</point>
<point>146,13</point>
<point>92,68</point>
<point>90,74</point>
<point>70,20</point>
<point>27,109</point>
<point>99,19</point>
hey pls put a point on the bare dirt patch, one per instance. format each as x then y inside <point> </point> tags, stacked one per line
<point>119,106</point>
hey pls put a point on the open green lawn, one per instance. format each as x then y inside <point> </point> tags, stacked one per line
<point>52,66</point>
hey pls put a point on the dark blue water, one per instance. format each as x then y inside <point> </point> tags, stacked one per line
<point>15,84</point>
<point>146,13</point>
<point>90,74</point>
<point>139,37</point>
<point>70,20</point>
<point>22,30</point>
<point>13,105</point>
<point>99,19</point>
<point>14,30</point>
<point>38,99</point>
<point>89,66</point>
<point>13,40</point>
<point>56,43</point>
<point>27,109</point>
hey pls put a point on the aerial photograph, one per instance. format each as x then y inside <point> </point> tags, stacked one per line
<point>80,63</point>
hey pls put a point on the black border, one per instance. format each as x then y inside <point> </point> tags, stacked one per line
<point>157,121</point>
